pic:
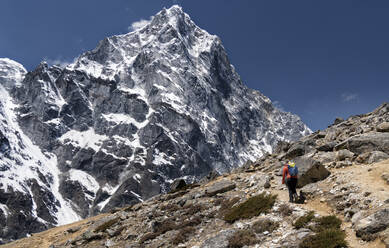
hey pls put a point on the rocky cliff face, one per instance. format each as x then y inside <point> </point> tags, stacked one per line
<point>125,119</point>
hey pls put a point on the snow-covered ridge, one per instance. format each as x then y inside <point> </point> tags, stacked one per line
<point>31,164</point>
<point>11,72</point>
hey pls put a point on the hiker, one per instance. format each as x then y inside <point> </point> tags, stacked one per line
<point>289,175</point>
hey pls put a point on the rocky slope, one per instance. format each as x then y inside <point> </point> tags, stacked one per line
<point>344,172</point>
<point>123,121</point>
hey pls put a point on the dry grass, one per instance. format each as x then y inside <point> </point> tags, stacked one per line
<point>285,210</point>
<point>170,207</point>
<point>327,222</point>
<point>264,225</point>
<point>169,225</point>
<point>183,235</point>
<point>328,238</point>
<point>304,220</point>
<point>242,238</point>
<point>328,234</point>
<point>165,226</point>
<point>226,205</point>
<point>251,207</point>
<point>193,209</point>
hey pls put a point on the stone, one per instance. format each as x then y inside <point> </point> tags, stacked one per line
<point>383,127</point>
<point>293,239</point>
<point>211,176</point>
<point>74,229</point>
<point>109,243</point>
<point>104,223</point>
<point>366,143</point>
<point>377,156</point>
<point>220,240</point>
<point>89,235</point>
<point>177,184</point>
<point>362,158</point>
<point>327,147</point>
<point>343,154</point>
<point>310,190</point>
<point>297,149</point>
<point>356,217</point>
<point>338,120</point>
<point>373,223</point>
<point>325,157</point>
<point>219,187</point>
<point>310,171</point>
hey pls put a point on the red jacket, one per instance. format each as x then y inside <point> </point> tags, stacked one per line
<point>285,174</point>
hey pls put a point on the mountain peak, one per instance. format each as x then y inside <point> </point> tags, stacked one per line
<point>170,30</point>
<point>11,72</point>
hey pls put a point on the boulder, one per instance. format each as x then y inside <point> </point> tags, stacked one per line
<point>260,180</point>
<point>338,120</point>
<point>357,217</point>
<point>294,239</point>
<point>325,157</point>
<point>220,240</point>
<point>377,156</point>
<point>327,147</point>
<point>366,143</point>
<point>211,176</point>
<point>383,127</point>
<point>373,223</point>
<point>219,187</point>
<point>282,146</point>
<point>363,158</point>
<point>343,154</point>
<point>310,170</point>
<point>104,223</point>
<point>177,184</point>
<point>297,149</point>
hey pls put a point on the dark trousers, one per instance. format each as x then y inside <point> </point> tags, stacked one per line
<point>291,183</point>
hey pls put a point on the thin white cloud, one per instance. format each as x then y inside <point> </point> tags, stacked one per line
<point>347,97</point>
<point>278,105</point>
<point>138,24</point>
<point>58,61</point>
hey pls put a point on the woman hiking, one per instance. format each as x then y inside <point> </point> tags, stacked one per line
<point>290,175</point>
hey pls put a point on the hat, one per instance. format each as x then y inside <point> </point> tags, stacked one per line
<point>291,164</point>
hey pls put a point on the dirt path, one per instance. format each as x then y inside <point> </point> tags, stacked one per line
<point>368,178</point>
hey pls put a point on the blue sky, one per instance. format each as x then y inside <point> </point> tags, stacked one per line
<point>318,59</point>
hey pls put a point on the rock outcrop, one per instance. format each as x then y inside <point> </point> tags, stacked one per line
<point>355,140</point>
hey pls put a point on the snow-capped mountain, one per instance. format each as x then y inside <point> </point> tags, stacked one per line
<point>123,121</point>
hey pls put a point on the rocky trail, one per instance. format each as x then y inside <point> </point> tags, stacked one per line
<point>247,184</point>
<point>369,178</point>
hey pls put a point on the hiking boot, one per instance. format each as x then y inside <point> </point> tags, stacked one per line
<point>295,198</point>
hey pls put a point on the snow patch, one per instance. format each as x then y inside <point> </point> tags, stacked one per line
<point>83,139</point>
<point>84,179</point>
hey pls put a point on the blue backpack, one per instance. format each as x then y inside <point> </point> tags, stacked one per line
<point>293,171</point>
